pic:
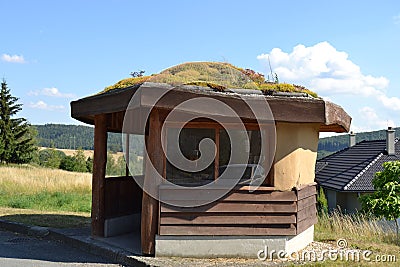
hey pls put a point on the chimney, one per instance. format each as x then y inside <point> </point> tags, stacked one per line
<point>390,135</point>
<point>352,139</point>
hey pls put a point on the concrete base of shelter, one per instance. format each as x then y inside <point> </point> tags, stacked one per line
<point>231,246</point>
<point>121,225</point>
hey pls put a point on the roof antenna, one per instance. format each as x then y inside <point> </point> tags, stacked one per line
<point>270,69</point>
<point>274,78</point>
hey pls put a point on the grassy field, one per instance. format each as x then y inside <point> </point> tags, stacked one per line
<point>361,233</point>
<point>55,219</point>
<point>27,187</point>
<point>56,198</point>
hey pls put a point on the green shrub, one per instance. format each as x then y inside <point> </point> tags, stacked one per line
<point>68,163</point>
<point>51,158</point>
<point>75,163</point>
<point>89,164</point>
<point>322,202</point>
<point>385,201</point>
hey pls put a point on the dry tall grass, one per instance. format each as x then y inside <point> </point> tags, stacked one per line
<point>30,180</point>
<point>360,232</point>
<point>359,225</point>
<point>28,187</point>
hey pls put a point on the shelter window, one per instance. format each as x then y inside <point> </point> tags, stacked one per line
<point>189,140</point>
<point>247,142</point>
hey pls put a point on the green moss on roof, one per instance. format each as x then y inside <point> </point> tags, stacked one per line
<point>215,75</point>
<point>126,83</point>
<point>286,87</point>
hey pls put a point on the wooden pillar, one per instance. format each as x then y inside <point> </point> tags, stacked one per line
<point>216,158</point>
<point>127,159</point>
<point>99,173</point>
<point>268,154</point>
<point>150,205</point>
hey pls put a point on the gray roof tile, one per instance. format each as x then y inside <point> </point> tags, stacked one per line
<point>352,169</point>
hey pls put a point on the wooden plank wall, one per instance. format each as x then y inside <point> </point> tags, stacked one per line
<point>123,196</point>
<point>263,212</point>
<point>306,207</point>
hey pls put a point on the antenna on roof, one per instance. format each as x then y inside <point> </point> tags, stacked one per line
<point>270,68</point>
<point>274,78</point>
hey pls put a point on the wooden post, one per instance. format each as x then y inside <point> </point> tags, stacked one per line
<point>99,173</point>
<point>164,136</point>
<point>127,159</point>
<point>268,155</point>
<point>150,205</point>
<point>216,159</point>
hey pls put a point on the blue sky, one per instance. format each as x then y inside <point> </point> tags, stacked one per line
<point>52,52</point>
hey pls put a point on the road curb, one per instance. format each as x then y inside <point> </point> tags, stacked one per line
<point>15,226</point>
<point>95,247</point>
<point>86,244</point>
<point>80,239</point>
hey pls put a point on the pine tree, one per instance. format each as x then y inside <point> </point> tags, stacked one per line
<point>16,138</point>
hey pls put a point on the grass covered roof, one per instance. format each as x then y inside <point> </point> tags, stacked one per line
<point>216,75</point>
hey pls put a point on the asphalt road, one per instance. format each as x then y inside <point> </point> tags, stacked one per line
<point>19,250</point>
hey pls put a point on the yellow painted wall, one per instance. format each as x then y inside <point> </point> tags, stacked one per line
<point>296,154</point>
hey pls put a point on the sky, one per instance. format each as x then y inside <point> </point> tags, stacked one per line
<point>53,52</point>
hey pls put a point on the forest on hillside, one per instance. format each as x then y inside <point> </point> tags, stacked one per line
<point>329,145</point>
<point>80,136</point>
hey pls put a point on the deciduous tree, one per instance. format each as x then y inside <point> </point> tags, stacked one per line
<point>385,201</point>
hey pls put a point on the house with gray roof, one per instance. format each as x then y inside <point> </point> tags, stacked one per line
<point>348,173</point>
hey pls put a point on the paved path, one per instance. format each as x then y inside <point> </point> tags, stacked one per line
<point>20,250</point>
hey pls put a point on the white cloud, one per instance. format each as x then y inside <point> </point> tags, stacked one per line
<point>371,120</point>
<point>329,72</point>
<point>44,106</point>
<point>52,92</point>
<point>396,19</point>
<point>368,113</point>
<point>13,58</point>
<point>392,103</point>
